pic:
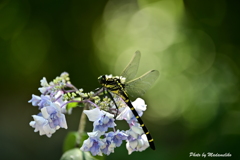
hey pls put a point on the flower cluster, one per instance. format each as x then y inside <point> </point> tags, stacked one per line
<point>102,111</point>
<point>51,104</point>
<point>101,142</point>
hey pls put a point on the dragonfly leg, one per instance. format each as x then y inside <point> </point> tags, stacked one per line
<point>111,97</point>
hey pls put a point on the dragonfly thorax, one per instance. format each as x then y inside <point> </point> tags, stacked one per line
<point>106,79</point>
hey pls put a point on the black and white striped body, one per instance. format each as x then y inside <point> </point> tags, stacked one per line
<point>114,85</point>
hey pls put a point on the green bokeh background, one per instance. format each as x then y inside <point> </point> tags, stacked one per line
<point>193,107</point>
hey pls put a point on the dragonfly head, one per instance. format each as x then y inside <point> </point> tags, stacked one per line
<point>102,79</point>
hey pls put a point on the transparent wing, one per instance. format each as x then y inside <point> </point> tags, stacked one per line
<point>138,87</point>
<point>131,70</point>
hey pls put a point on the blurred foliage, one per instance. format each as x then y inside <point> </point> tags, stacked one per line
<point>77,154</point>
<point>194,106</point>
<point>71,140</point>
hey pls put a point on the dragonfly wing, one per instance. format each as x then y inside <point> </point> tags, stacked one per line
<point>138,87</point>
<point>131,70</point>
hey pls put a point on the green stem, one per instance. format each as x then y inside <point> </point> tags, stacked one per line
<point>82,124</point>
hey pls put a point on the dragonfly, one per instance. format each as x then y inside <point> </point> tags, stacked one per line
<point>129,88</point>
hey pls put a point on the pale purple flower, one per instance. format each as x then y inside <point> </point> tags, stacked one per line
<point>44,82</point>
<point>52,106</point>
<point>113,140</point>
<point>135,130</point>
<point>102,120</point>
<point>45,101</point>
<point>35,100</point>
<point>59,100</point>
<point>93,144</point>
<point>104,123</point>
<point>125,113</point>
<point>108,146</point>
<point>54,116</point>
<point>137,144</point>
<point>134,137</point>
<point>49,120</point>
<point>44,85</point>
<point>41,124</point>
<point>137,140</point>
<point>117,137</point>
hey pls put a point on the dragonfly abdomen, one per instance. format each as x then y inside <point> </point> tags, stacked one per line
<point>146,131</point>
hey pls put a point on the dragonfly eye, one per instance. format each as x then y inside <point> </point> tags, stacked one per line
<point>102,79</point>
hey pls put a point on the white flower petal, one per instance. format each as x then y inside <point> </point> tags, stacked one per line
<point>125,114</point>
<point>132,133</point>
<point>139,104</point>
<point>32,124</point>
<point>144,143</point>
<point>94,134</point>
<point>63,121</point>
<point>130,150</point>
<point>44,82</point>
<point>42,89</point>
<point>137,130</point>
<point>47,129</point>
<point>93,114</point>
<point>105,120</point>
<point>45,113</point>
<point>108,114</point>
<point>133,144</point>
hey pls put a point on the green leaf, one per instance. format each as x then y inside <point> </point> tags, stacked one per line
<point>73,154</point>
<point>88,156</point>
<point>72,105</point>
<point>75,104</point>
<point>71,141</point>
<point>83,138</point>
<point>77,154</point>
<point>98,157</point>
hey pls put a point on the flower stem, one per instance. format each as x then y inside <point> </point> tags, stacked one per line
<point>82,124</point>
